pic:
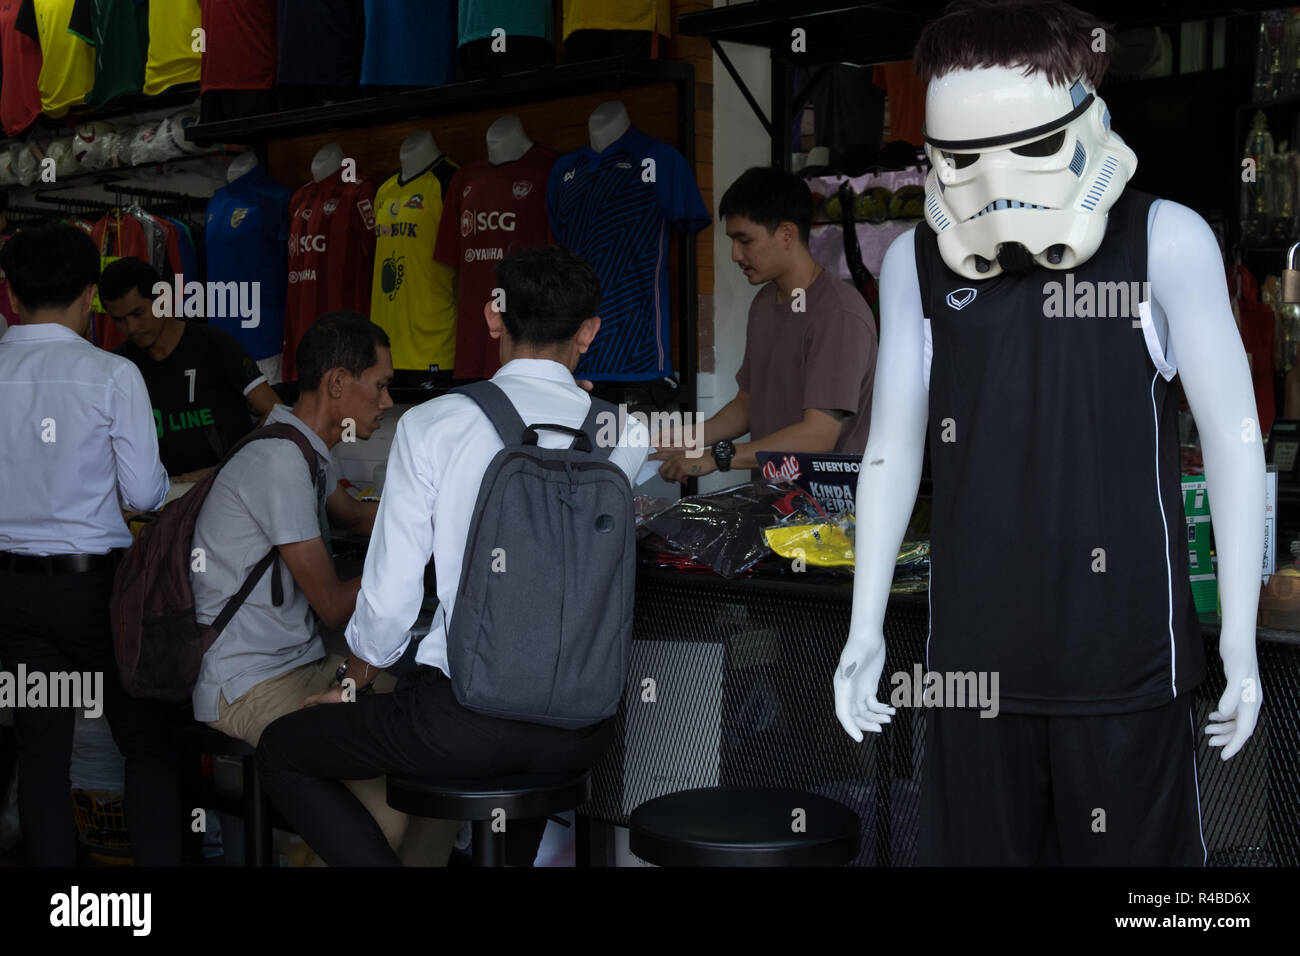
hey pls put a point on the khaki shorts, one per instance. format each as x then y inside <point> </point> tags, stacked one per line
<point>419,841</point>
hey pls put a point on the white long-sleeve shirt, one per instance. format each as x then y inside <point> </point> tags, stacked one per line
<point>80,444</point>
<point>440,452</point>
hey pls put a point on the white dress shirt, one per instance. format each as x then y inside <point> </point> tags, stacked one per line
<point>80,444</point>
<point>440,452</point>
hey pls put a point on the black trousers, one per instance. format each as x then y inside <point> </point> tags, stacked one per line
<point>420,728</point>
<point>59,622</point>
<point>1028,790</point>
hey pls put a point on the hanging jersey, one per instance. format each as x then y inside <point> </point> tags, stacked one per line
<point>519,18</point>
<point>67,60</point>
<point>331,255</point>
<point>116,235</point>
<point>321,41</point>
<point>197,393</point>
<point>20,59</point>
<point>614,208</point>
<point>409,43</point>
<point>490,212</point>
<point>241,45</point>
<point>172,57</point>
<point>413,297</point>
<point>247,242</point>
<point>119,32</point>
<point>626,15</point>
<point>1058,544</point>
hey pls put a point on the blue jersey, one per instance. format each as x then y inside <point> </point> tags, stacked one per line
<point>614,208</point>
<point>519,18</point>
<point>409,43</point>
<point>247,241</point>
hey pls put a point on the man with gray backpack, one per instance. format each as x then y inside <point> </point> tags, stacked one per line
<point>520,491</point>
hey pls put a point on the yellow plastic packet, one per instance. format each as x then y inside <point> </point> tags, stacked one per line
<point>824,545</point>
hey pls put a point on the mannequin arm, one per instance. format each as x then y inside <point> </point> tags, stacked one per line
<point>1191,295</point>
<point>887,484</point>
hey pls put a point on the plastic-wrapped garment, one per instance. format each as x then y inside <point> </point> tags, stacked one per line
<point>724,530</point>
<point>141,147</point>
<point>821,545</point>
<point>91,144</point>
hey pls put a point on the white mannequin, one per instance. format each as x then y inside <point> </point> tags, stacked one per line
<point>607,123</point>
<point>417,154</point>
<point>1191,312</point>
<point>507,141</point>
<point>327,161</point>
<point>241,164</point>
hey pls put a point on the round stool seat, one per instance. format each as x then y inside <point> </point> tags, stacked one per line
<point>744,826</point>
<point>519,795</point>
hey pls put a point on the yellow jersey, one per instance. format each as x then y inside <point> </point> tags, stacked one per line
<point>413,298</point>
<point>618,15</point>
<point>68,60</point>
<point>172,57</point>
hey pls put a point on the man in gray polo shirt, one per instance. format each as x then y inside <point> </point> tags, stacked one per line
<point>270,658</point>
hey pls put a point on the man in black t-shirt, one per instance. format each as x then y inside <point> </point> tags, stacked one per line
<point>201,381</point>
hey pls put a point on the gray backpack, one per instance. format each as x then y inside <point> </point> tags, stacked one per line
<point>542,626</point>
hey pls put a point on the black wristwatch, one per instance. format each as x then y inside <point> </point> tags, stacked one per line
<point>723,452</point>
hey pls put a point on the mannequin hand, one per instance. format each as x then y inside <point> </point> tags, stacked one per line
<point>856,680</point>
<point>1233,721</point>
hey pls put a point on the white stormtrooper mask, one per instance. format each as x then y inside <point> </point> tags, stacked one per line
<point>1020,161</point>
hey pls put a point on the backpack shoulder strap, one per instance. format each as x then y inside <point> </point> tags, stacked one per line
<point>287,432</point>
<point>500,411</point>
<point>591,425</point>
<point>236,600</point>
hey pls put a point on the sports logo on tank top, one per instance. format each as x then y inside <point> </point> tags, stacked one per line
<point>960,298</point>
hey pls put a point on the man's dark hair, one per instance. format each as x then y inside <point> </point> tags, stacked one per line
<point>1047,36</point>
<point>338,339</point>
<point>120,277</point>
<point>549,292</point>
<point>769,197</point>
<point>49,266</point>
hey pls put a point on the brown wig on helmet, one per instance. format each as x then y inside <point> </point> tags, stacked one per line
<point>1041,35</point>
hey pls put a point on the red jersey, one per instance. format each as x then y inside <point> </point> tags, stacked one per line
<point>490,212</point>
<point>241,45</point>
<point>331,255</point>
<point>118,235</point>
<point>20,97</point>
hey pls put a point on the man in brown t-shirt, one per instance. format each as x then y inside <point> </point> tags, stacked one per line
<point>810,350</point>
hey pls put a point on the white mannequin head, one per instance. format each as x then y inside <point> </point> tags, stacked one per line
<point>1024,165</point>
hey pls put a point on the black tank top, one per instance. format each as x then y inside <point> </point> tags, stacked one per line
<point>1054,454</point>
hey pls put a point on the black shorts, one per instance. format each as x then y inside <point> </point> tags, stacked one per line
<point>1030,790</point>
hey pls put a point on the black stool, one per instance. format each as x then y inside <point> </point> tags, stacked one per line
<point>744,826</point>
<point>253,806</point>
<point>519,796</point>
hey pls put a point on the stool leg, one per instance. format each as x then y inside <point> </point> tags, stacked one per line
<point>489,847</point>
<point>258,850</point>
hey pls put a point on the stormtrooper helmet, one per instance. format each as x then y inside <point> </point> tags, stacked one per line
<point>1022,170</point>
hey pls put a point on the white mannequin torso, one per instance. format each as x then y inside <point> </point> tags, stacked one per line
<point>327,161</point>
<point>1194,324</point>
<point>607,123</point>
<point>507,141</point>
<point>240,165</point>
<point>418,153</point>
